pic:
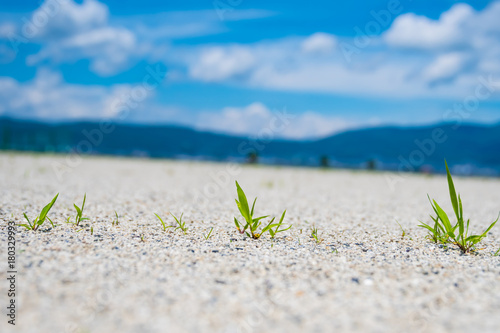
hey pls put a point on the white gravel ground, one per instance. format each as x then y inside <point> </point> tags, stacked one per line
<point>363,277</point>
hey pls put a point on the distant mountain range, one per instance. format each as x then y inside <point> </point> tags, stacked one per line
<point>473,149</point>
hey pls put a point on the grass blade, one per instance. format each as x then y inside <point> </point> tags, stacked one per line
<point>47,208</point>
<point>162,223</point>
<point>453,193</point>
<point>282,217</point>
<point>27,219</point>
<point>253,206</point>
<point>269,226</point>
<point>243,204</point>
<point>84,197</point>
<point>444,218</point>
<point>78,211</point>
<point>284,229</point>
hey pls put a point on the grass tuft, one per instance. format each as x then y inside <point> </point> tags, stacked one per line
<point>180,225</point>
<point>253,224</point>
<point>315,236</point>
<point>79,213</point>
<point>209,234</point>
<point>444,232</point>
<point>40,219</point>
<point>116,222</point>
<point>164,225</point>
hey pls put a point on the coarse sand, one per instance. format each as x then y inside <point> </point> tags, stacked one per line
<point>135,277</point>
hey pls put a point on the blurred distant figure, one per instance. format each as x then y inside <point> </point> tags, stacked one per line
<point>427,169</point>
<point>371,164</point>
<point>252,158</point>
<point>324,162</point>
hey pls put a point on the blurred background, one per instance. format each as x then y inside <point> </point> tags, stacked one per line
<point>381,85</point>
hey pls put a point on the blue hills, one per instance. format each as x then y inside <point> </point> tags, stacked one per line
<point>473,148</point>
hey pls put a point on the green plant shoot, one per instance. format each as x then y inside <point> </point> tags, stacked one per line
<point>251,223</point>
<point>444,232</point>
<point>40,219</point>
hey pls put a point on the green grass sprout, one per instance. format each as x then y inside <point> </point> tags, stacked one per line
<point>209,234</point>
<point>165,227</point>
<point>497,253</point>
<point>403,232</point>
<point>40,219</point>
<point>79,213</point>
<point>180,225</point>
<point>251,223</point>
<point>314,235</point>
<point>444,232</point>
<point>270,227</point>
<point>115,222</point>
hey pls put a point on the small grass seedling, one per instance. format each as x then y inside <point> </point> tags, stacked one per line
<point>314,235</point>
<point>209,234</point>
<point>115,222</point>
<point>165,227</point>
<point>91,231</point>
<point>274,232</point>
<point>40,219</point>
<point>403,232</point>
<point>497,253</point>
<point>252,223</point>
<point>444,232</point>
<point>79,213</point>
<point>180,225</point>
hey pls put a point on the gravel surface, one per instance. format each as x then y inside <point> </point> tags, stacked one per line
<point>134,277</point>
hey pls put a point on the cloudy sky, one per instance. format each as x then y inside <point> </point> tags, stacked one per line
<point>231,65</point>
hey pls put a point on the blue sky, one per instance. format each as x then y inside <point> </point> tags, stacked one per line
<point>232,65</point>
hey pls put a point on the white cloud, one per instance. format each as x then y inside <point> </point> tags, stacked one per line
<point>70,31</point>
<point>235,120</point>
<point>218,63</point>
<point>257,118</point>
<point>445,66</point>
<point>110,50</point>
<point>81,31</point>
<point>278,65</point>
<point>65,18</point>
<point>455,50</point>
<point>410,30</point>
<point>310,125</point>
<point>48,97</point>
<point>319,42</point>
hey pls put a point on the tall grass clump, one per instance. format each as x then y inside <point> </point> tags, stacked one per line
<point>253,224</point>
<point>442,230</point>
